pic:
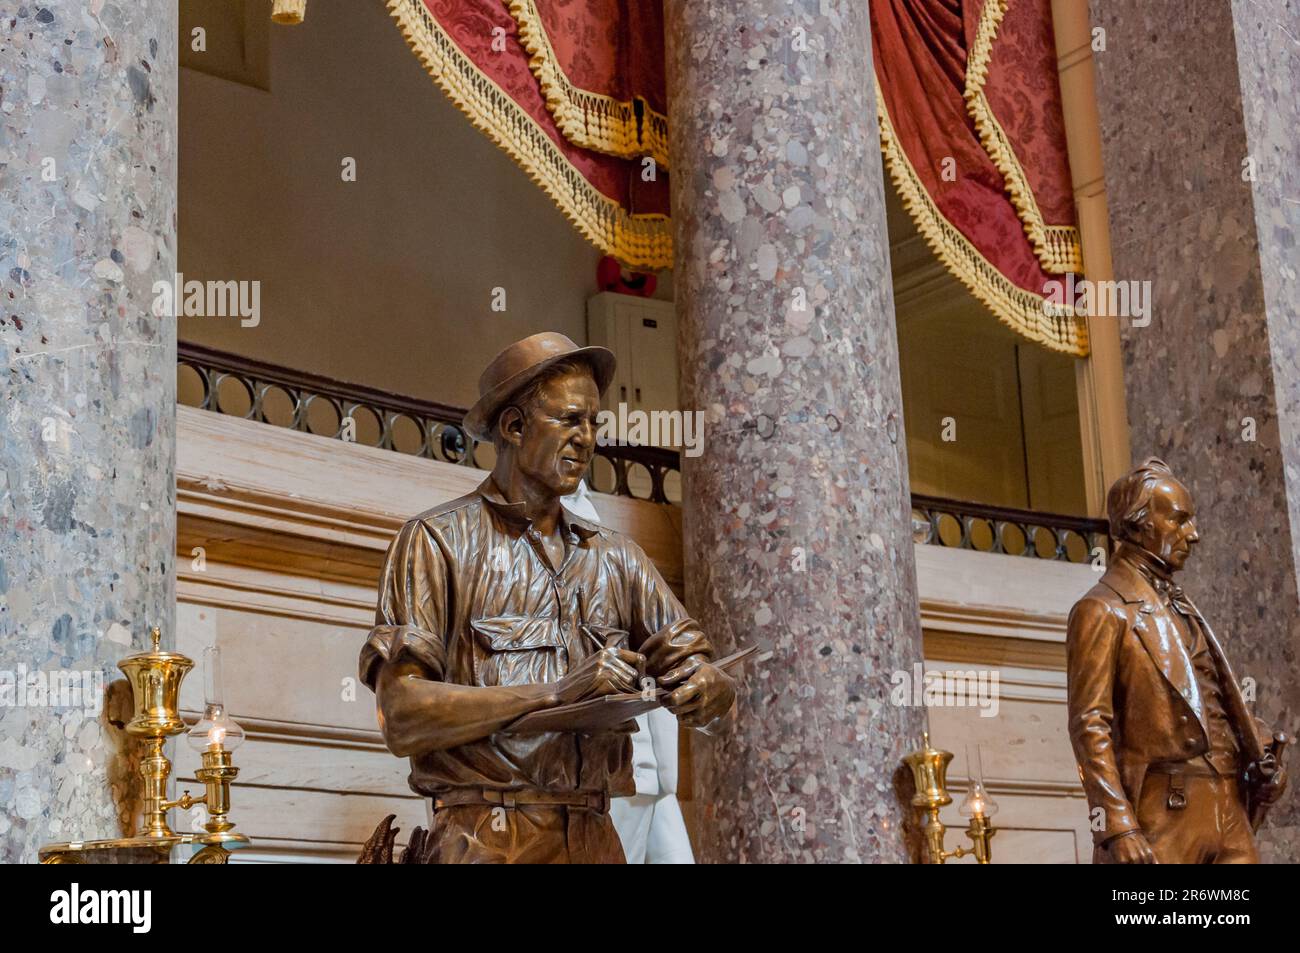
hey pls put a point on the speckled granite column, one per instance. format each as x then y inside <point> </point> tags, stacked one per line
<point>87,404</point>
<point>1199,114</point>
<point>797,531</point>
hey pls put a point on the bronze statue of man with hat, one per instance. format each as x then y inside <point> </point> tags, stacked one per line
<point>1175,767</point>
<point>503,605</point>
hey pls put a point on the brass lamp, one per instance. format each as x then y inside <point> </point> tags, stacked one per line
<point>979,807</point>
<point>155,680</point>
<point>929,772</point>
<point>214,736</point>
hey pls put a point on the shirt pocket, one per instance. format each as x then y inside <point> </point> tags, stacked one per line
<point>518,650</point>
<point>599,636</point>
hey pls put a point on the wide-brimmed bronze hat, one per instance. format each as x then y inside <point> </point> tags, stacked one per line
<point>521,363</point>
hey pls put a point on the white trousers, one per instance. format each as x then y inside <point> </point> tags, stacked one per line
<point>652,829</point>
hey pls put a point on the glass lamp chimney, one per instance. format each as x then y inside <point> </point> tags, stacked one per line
<point>215,729</point>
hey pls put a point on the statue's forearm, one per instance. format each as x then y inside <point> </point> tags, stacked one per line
<point>417,715</point>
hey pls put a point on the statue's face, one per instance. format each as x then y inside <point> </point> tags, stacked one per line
<point>1169,530</point>
<point>558,436</point>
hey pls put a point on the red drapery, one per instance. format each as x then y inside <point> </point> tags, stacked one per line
<point>973,136</point>
<point>969,108</point>
<point>600,64</point>
<point>1015,100</point>
<point>474,51</point>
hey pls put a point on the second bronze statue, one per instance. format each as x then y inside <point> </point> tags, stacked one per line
<point>502,604</point>
<point>1175,767</point>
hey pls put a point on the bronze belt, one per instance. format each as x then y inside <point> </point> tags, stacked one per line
<point>597,801</point>
<point>1178,772</point>
<point>1193,768</point>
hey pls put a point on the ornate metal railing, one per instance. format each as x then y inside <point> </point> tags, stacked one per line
<point>228,384</point>
<point>1000,529</point>
<point>243,387</point>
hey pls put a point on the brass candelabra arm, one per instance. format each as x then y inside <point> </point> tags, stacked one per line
<point>184,802</point>
<point>980,833</point>
<point>954,854</point>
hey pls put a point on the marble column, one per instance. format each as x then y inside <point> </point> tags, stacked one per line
<point>87,420</point>
<point>796,523</point>
<point>1199,114</point>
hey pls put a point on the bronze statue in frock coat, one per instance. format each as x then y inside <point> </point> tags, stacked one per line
<point>1175,767</point>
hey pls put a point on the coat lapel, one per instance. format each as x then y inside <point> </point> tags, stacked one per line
<point>1155,628</point>
<point>1230,691</point>
<point>1159,634</point>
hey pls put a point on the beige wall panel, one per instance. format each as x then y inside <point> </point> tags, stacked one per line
<point>277,593</point>
<point>277,668</point>
<point>1027,764</point>
<point>1053,449</point>
<point>1063,818</point>
<point>1025,742</point>
<point>1017,589</point>
<point>307,764</point>
<point>984,612</point>
<point>1027,845</point>
<point>959,372</point>
<point>343,821</point>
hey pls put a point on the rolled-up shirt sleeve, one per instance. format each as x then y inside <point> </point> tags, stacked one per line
<point>411,615</point>
<point>662,629</point>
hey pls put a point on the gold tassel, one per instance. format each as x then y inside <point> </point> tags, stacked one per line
<point>1057,246</point>
<point>288,11</point>
<point>591,120</point>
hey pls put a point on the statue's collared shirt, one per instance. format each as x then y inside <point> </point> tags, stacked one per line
<point>467,592</point>
<point>1223,752</point>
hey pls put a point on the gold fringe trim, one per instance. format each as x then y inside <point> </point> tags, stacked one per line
<point>1022,311</point>
<point>587,119</point>
<point>1057,246</point>
<point>289,12</point>
<point>639,241</point>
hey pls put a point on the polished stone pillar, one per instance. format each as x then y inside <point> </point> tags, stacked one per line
<point>1199,116</point>
<point>797,521</point>
<point>87,435</point>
